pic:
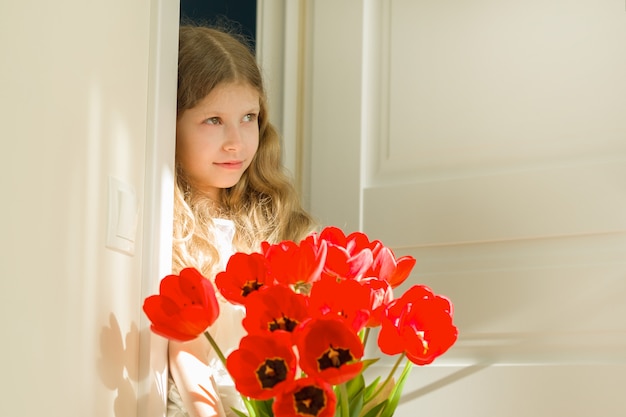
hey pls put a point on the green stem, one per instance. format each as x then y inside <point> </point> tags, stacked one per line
<point>390,376</point>
<point>365,336</point>
<point>345,407</point>
<point>248,402</point>
<point>215,347</point>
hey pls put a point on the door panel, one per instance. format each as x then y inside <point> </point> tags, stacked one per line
<point>488,140</point>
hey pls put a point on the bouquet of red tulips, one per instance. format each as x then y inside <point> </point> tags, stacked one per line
<point>309,309</point>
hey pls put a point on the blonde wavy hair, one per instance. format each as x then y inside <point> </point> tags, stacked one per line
<point>264,204</point>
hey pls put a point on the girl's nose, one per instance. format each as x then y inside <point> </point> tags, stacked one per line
<point>233,139</point>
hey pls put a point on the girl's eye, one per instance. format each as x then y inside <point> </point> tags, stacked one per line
<point>250,117</point>
<point>212,121</point>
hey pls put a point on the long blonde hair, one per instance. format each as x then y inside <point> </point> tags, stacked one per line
<point>264,204</point>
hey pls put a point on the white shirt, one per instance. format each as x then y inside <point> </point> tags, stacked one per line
<point>227,331</point>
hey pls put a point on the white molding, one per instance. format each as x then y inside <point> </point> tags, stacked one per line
<point>561,201</point>
<point>158,202</point>
<point>552,300</point>
<point>282,53</point>
<point>376,95</point>
<point>334,118</point>
<point>270,38</point>
<point>482,389</point>
<point>471,96</point>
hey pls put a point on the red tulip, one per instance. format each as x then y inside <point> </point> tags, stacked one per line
<point>306,397</point>
<point>343,298</point>
<point>353,243</point>
<point>347,257</point>
<point>333,235</point>
<point>185,306</point>
<point>262,365</point>
<point>381,295</point>
<point>290,263</point>
<point>329,349</point>
<point>245,273</point>
<point>357,241</point>
<point>418,323</point>
<point>275,308</point>
<point>343,264</point>
<point>386,266</point>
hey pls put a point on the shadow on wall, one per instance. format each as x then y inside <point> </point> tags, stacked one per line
<point>118,367</point>
<point>441,383</point>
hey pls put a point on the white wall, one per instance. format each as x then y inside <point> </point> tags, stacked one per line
<point>74,85</point>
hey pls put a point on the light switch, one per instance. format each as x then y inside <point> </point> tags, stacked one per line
<point>122,217</point>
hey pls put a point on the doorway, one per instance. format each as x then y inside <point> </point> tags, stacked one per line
<point>239,15</point>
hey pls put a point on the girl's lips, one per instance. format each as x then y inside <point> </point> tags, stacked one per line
<point>230,164</point>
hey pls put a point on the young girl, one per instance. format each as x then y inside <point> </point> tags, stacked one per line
<point>231,194</point>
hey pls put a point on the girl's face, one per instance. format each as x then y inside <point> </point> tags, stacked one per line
<point>217,139</point>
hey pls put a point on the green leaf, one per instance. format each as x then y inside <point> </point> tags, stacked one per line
<point>396,393</point>
<point>376,409</point>
<point>375,394</point>
<point>369,390</point>
<point>368,362</point>
<point>239,413</point>
<point>262,408</point>
<point>355,386</point>
<point>268,408</point>
<point>356,404</point>
<point>250,407</point>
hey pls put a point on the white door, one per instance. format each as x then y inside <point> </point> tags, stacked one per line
<point>487,138</point>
